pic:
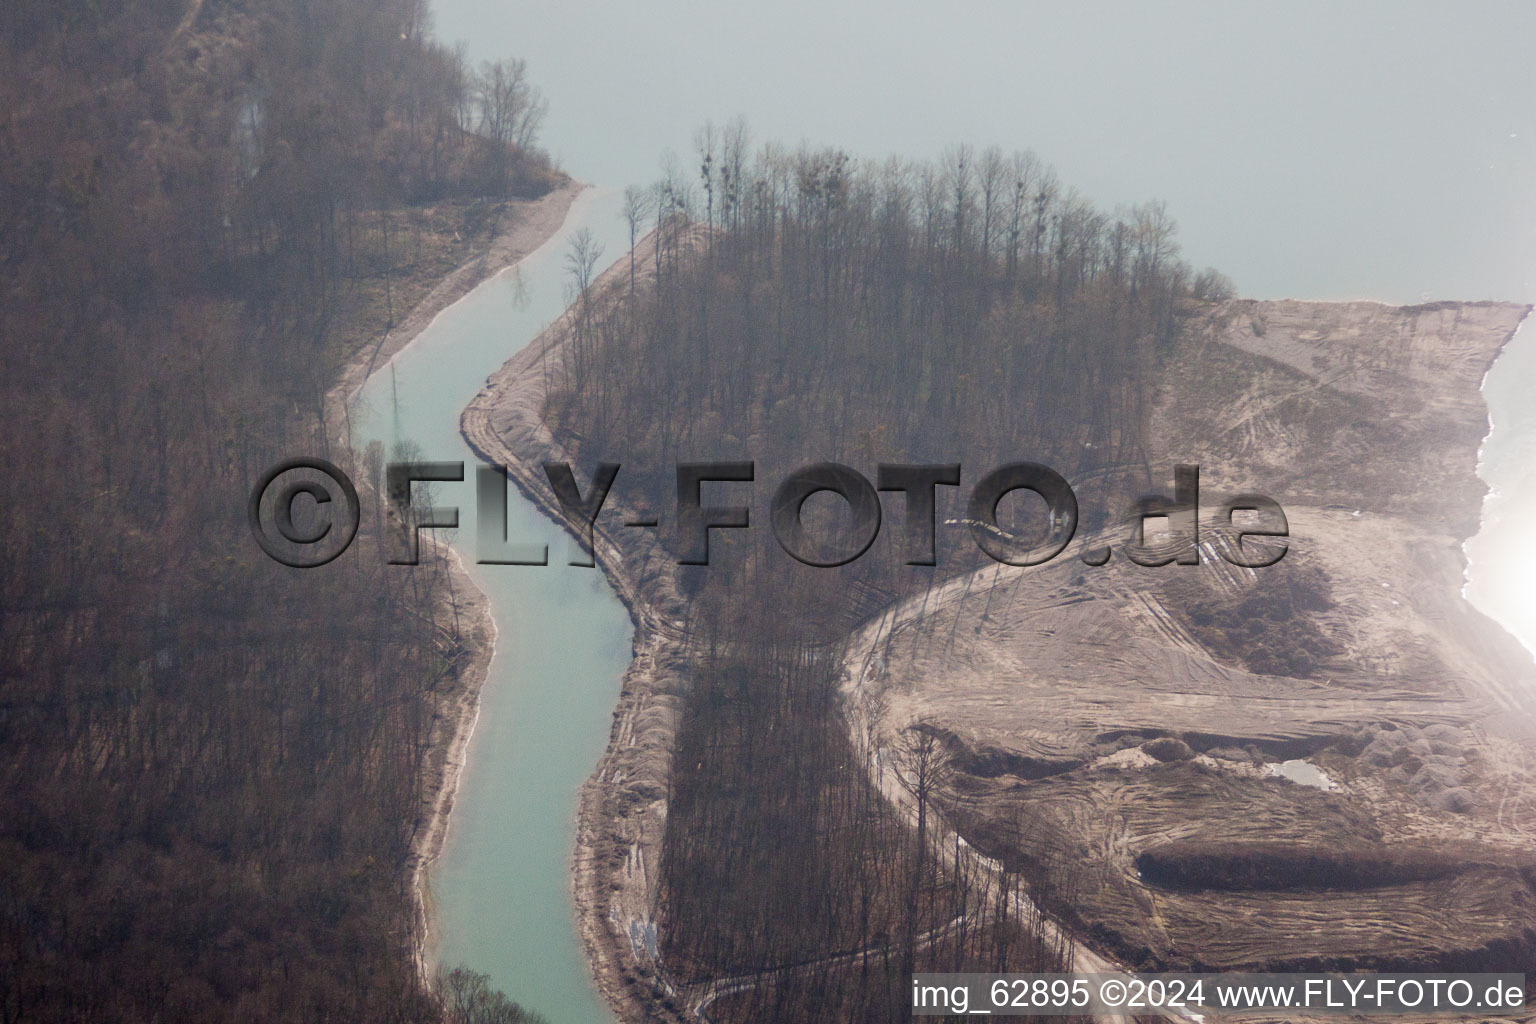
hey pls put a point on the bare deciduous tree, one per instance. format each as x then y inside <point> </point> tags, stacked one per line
<point>637,204</point>
<point>511,110</point>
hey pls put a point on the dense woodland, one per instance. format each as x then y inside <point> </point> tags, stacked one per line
<point>210,763</point>
<point>811,305</point>
<point>797,307</point>
<point>800,307</point>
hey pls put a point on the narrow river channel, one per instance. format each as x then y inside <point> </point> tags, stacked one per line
<point>502,888</point>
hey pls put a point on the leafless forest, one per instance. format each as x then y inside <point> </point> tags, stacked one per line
<point>210,766</point>
<point>791,308</point>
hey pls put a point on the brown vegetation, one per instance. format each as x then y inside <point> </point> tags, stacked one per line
<point>1271,630</point>
<point>210,765</point>
<point>1197,864</point>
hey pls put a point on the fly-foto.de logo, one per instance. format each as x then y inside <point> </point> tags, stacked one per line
<point>304,512</point>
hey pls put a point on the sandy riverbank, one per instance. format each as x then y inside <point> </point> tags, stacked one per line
<point>524,227</point>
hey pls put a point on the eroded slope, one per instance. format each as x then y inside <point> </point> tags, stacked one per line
<point>1128,718</point>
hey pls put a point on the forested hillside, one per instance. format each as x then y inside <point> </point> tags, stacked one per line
<point>793,308</point>
<point>805,307</point>
<point>210,764</point>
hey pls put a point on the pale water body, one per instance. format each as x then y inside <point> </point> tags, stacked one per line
<point>1379,150</point>
<point>503,884</point>
<point>1302,772</point>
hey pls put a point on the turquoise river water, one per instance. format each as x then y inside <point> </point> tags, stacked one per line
<point>501,889</point>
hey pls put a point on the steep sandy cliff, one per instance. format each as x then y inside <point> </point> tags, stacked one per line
<point>1126,719</point>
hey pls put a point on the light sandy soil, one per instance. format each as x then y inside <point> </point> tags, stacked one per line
<point>453,724</point>
<point>1364,422</point>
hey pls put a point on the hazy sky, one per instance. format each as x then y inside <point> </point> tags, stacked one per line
<point>1309,150</point>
